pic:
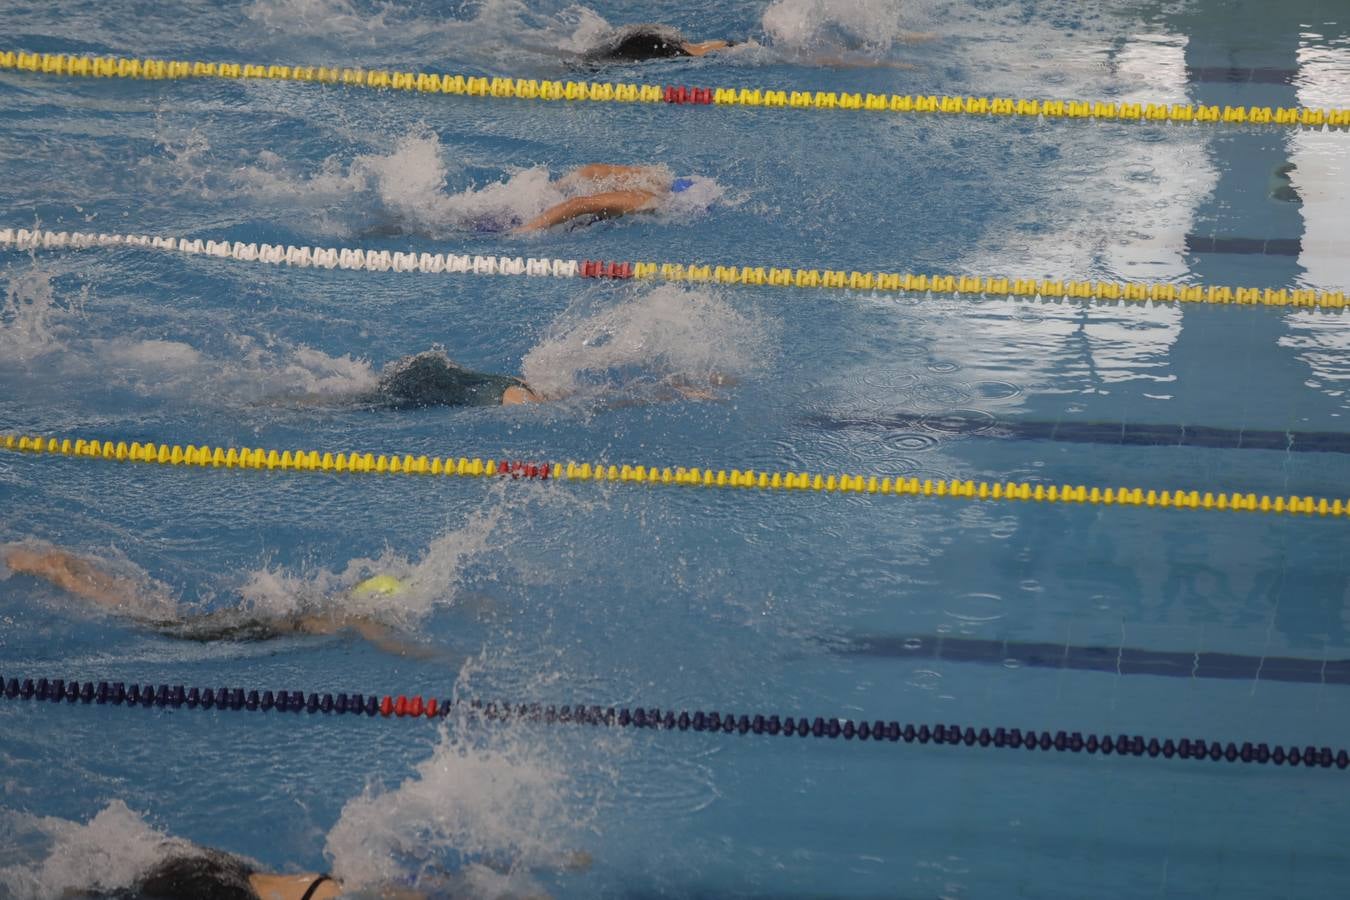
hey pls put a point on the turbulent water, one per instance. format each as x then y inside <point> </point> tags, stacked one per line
<point>523,590</point>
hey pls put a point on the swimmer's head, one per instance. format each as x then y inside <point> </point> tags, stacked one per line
<point>679,185</point>
<point>378,585</point>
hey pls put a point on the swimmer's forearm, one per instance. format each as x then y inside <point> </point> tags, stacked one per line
<point>382,638</point>
<point>74,575</point>
<point>606,205</point>
<point>703,47</point>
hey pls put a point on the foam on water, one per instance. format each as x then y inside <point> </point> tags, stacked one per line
<point>108,852</point>
<point>495,31</point>
<point>868,26</point>
<point>405,188</point>
<point>434,579</point>
<point>31,315</point>
<point>39,321</point>
<point>653,337</point>
<point>487,809</point>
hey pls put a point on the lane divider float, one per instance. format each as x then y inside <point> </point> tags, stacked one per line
<point>204,456</point>
<point>967,286</point>
<point>59,690</point>
<point>609,92</point>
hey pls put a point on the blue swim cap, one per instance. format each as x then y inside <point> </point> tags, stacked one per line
<point>681,184</point>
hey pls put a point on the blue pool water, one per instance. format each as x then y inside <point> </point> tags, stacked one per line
<point>755,602</point>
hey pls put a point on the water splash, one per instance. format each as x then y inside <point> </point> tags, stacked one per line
<point>404,189</point>
<point>654,337</point>
<point>868,26</point>
<point>494,31</point>
<point>39,321</point>
<point>329,18</point>
<point>107,853</point>
<point>33,315</point>
<point>432,580</point>
<point>483,811</point>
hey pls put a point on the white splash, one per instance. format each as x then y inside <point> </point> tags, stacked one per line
<point>430,581</point>
<point>39,321</point>
<point>32,315</point>
<point>487,810</point>
<point>405,188</point>
<point>332,18</point>
<point>869,26</point>
<point>496,31</point>
<point>107,853</point>
<point>664,334</point>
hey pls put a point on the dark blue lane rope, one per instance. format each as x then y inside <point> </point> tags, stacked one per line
<point>116,693</point>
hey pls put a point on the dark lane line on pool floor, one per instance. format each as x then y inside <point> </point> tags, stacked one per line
<point>1240,75</point>
<point>1196,243</point>
<point>978,424</point>
<point>1119,660</point>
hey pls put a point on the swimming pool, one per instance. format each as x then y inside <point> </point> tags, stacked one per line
<point>1082,618</point>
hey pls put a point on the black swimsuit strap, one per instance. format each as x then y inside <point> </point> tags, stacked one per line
<point>314,886</point>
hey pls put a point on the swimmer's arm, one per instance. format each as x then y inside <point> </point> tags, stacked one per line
<point>606,205</point>
<point>690,390</point>
<point>596,172</point>
<point>382,637</point>
<point>73,575</point>
<point>703,48</point>
<point>680,388</point>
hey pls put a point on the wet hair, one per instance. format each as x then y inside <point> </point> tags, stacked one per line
<point>200,874</point>
<point>634,43</point>
<point>210,875</point>
<point>433,379</point>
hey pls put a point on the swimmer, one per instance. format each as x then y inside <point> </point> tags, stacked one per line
<point>431,378</point>
<point>204,874</point>
<point>84,579</point>
<point>605,191</point>
<point>200,873</point>
<point>637,43</point>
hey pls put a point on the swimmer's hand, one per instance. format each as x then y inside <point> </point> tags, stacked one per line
<point>578,861</point>
<point>691,391</point>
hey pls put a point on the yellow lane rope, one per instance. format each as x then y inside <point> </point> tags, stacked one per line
<point>608,92</point>
<point>203,456</point>
<point>449,263</point>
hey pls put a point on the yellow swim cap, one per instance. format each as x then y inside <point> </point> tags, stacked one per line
<point>386,585</point>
